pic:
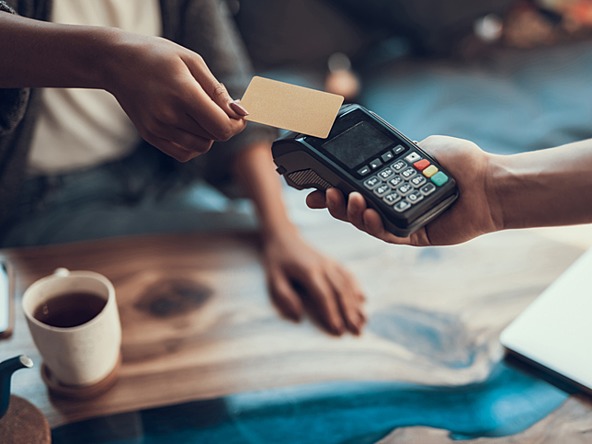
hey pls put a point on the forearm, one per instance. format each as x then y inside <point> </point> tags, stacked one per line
<point>543,188</point>
<point>255,171</point>
<point>42,54</point>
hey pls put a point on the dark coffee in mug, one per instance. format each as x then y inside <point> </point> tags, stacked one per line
<point>70,309</point>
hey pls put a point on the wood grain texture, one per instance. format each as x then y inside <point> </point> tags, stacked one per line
<point>197,321</point>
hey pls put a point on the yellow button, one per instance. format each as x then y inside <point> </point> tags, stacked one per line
<point>430,171</point>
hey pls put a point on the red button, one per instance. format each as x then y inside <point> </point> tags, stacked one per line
<point>422,164</point>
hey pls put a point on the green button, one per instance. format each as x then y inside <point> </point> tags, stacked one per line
<point>439,178</point>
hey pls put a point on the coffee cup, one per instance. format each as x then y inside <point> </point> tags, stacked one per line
<point>74,322</point>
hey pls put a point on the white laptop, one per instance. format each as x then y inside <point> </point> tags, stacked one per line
<point>555,331</point>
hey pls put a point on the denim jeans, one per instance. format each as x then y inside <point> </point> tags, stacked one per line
<point>126,197</point>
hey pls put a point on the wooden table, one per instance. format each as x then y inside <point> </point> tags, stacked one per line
<point>197,322</point>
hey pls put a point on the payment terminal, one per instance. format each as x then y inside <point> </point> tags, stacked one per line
<point>365,153</point>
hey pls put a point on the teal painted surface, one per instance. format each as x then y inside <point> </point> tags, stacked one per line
<point>507,402</point>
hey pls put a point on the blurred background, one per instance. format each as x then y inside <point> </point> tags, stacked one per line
<point>511,75</point>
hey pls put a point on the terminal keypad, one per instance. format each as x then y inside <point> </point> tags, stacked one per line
<point>405,179</point>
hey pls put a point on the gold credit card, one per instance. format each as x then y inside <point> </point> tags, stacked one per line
<point>291,107</point>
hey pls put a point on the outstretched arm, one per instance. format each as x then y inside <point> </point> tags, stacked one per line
<point>540,188</point>
<point>167,91</point>
<point>543,188</point>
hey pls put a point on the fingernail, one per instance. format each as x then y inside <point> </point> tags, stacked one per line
<point>337,328</point>
<point>293,315</point>
<point>238,108</point>
<point>291,312</point>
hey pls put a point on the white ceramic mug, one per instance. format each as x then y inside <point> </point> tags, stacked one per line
<point>84,354</point>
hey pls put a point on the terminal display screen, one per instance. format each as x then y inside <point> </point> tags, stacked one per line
<point>358,144</point>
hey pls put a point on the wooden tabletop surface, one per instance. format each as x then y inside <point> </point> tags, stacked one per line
<point>197,321</point>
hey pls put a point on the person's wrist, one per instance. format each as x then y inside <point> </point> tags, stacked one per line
<point>112,55</point>
<point>278,232</point>
<point>496,180</point>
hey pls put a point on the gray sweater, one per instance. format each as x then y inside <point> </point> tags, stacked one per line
<point>203,26</point>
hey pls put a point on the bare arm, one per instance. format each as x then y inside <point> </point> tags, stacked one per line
<point>167,91</point>
<point>37,53</point>
<point>540,188</point>
<point>543,188</point>
<point>289,260</point>
<point>255,171</point>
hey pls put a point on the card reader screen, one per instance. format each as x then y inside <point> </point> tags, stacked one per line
<point>357,144</point>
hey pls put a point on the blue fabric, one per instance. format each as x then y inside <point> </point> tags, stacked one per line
<point>137,195</point>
